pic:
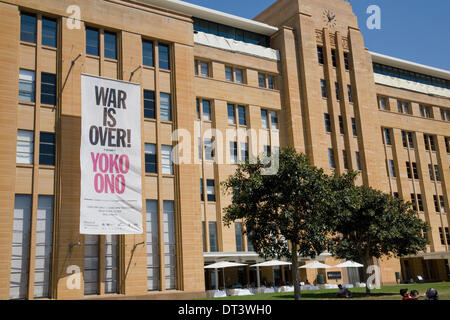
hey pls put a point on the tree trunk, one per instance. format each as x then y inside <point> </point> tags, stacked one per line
<point>366,261</point>
<point>295,276</point>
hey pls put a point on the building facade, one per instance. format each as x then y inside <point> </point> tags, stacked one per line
<point>297,75</point>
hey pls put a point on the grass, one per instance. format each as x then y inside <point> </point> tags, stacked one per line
<point>385,293</point>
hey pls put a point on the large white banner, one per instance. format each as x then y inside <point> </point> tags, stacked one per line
<point>111,185</point>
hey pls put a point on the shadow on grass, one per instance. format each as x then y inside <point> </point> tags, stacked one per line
<point>332,295</point>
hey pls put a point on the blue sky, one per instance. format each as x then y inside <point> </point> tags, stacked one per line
<point>414,30</point>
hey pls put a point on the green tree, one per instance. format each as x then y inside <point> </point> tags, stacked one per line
<point>367,224</point>
<point>283,212</point>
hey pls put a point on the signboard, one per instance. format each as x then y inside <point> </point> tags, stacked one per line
<point>335,275</point>
<point>111,183</point>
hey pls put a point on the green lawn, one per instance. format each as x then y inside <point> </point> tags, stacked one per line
<point>385,293</point>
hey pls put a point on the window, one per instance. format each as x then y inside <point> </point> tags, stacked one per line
<point>354,128</point>
<point>147,53</point>
<point>408,169</point>
<point>212,236</point>
<point>264,119</point>
<point>396,195</point>
<point>238,236</point>
<point>382,103</point>
<point>403,107</point>
<point>152,242</point>
<point>233,152</point>
<point>166,159</point>
<point>430,170</point>
<point>341,125</point>
<point>25,147</point>
<point>270,82</point>
<point>210,191</point>
<point>333,57</point>
<point>425,111</point>
<point>164,62</point>
<point>436,173</point>
<point>206,106</point>
<point>47,149</point>
<point>238,75</point>
<point>404,139</point>
<point>241,115</point>
<point>149,104</point>
<point>27,85</point>
<point>92,42</point>
<point>429,142</point>
<point>320,54</point>
<point>197,102</point>
<point>110,39</point>
<point>442,203</point>
<point>413,201</point>
<point>415,171</point>
<point>49,32</point>
<point>331,159</point>
<point>164,107</point>
<point>336,84</point>
<point>327,122</point>
<point>392,168</point>
<point>387,136</point>
<point>445,114</point>
<point>91,264</point>
<point>344,155</point>
<point>231,114</point>
<point>436,204</point>
<point>274,120</point>
<point>150,158</point>
<point>202,68</point>
<point>420,202</point>
<point>202,194</point>
<point>447,144</point>
<point>209,151</point>
<point>350,96</point>
<point>244,151</point>
<point>358,161</point>
<point>170,247</point>
<point>229,74</point>
<point>27,27</point>
<point>441,234</point>
<point>261,80</point>
<point>250,247</point>
<point>408,139</point>
<point>48,88</point>
<point>346,61</point>
<point>323,87</point>
<point>447,235</point>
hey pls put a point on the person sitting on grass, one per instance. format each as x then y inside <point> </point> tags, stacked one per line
<point>413,295</point>
<point>343,292</point>
<point>432,294</point>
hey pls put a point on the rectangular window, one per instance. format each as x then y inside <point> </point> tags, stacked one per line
<point>27,86</point>
<point>25,147</point>
<point>164,57</point>
<point>151,158</point>
<point>415,171</point>
<point>250,247</point>
<point>27,27</point>
<point>202,194</point>
<point>206,106</point>
<point>47,149</point>
<point>425,111</point>
<point>242,116</point>
<point>166,159</point>
<point>327,119</point>
<point>323,88</point>
<point>20,254</point>
<point>229,74</point>
<point>210,191</point>
<point>149,104</point>
<point>432,144</point>
<point>48,88</point>
<point>152,245</point>
<point>212,226</point>
<point>164,106</point>
<point>392,168</point>
<point>231,114</point>
<point>333,57</point>
<point>233,152</point>
<point>346,61</point>
<point>387,137</point>
<point>92,42</point>
<point>244,151</point>
<point>44,247</point>
<point>404,139</point>
<point>408,169</point>
<point>437,172</point>
<point>442,203</point>
<point>430,170</point>
<point>170,247</point>
<point>204,69</point>
<point>341,125</point>
<point>382,103</point>
<point>447,144</point>
<point>111,263</point>
<point>410,139</point>
<point>344,155</point>
<point>354,128</point>
<point>271,82</point>
<point>91,264</point>
<point>413,201</point>
<point>358,161</point>
<point>331,159</point>
<point>350,95</point>
<point>261,80</point>
<point>403,107</point>
<point>238,73</point>
<point>264,119</point>
<point>147,54</point>
<point>110,39</point>
<point>436,203</point>
<point>420,202</point>
<point>209,151</point>
<point>274,120</point>
<point>445,115</point>
<point>396,195</point>
<point>320,54</point>
<point>204,235</point>
<point>49,32</point>
<point>441,235</point>
<point>238,236</point>
<point>447,235</point>
<point>336,84</point>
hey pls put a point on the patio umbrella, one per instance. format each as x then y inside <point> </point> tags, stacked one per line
<point>272,263</point>
<point>315,265</point>
<point>349,264</point>
<point>222,265</point>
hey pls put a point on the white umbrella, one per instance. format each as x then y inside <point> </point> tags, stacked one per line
<point>222,265</point>
<point>315,265</point>
<point>349,264</point>
<point>272,263</point>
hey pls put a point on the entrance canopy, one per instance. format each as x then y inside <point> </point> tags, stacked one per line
<point>315,265</point>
